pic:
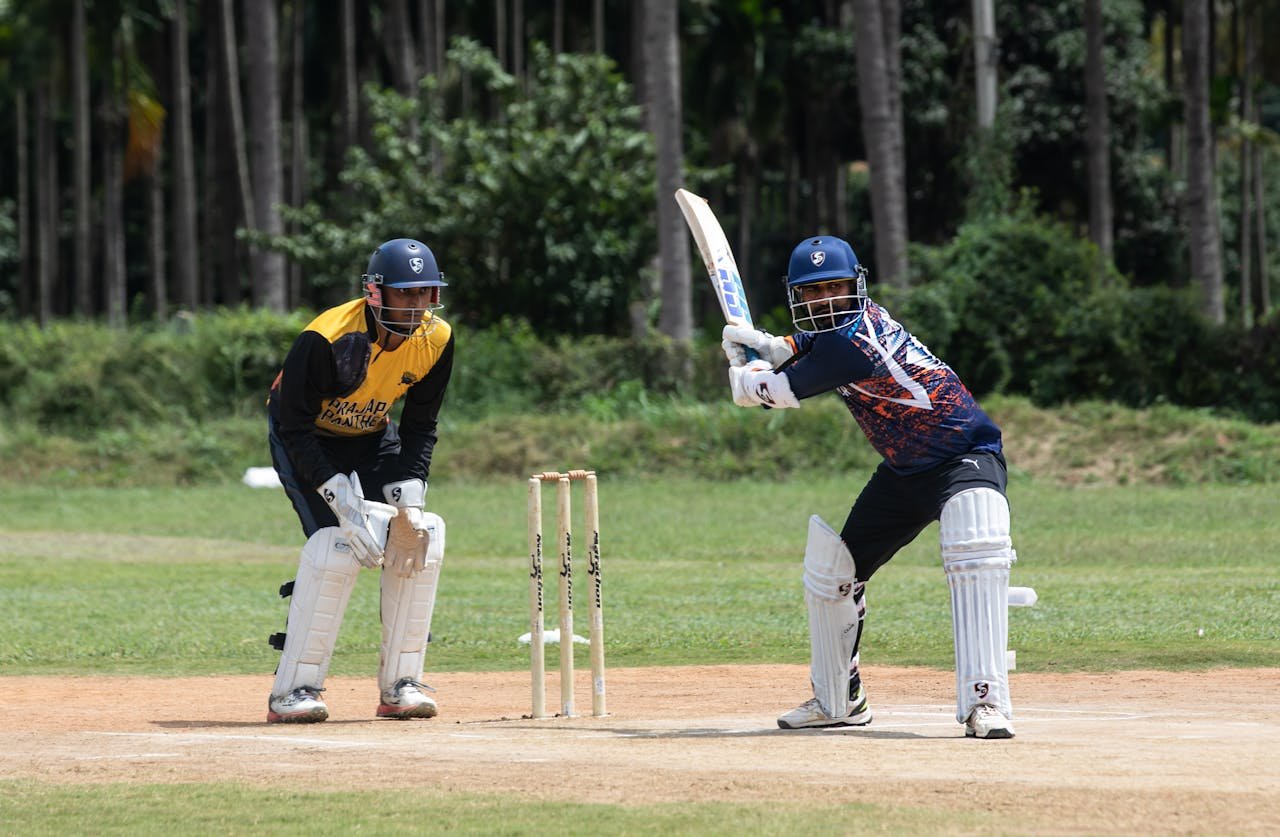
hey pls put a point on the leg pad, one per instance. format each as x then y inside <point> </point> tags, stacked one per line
<point>834,617</point>
<point>319,598</point>
<point>407,606</point>
<point>976,556</point>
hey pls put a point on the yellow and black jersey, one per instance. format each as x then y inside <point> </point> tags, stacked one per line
<point>337,382</point>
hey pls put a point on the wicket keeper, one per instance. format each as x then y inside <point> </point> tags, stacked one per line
<point>332,438</point>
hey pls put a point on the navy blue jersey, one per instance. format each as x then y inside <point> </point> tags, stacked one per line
<point>914,409</point>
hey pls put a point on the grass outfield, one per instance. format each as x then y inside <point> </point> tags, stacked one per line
<point>228,809</point>
<point>183,581</point>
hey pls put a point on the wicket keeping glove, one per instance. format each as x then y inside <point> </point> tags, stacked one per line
<point>408,536</point>
<point>343,495</point>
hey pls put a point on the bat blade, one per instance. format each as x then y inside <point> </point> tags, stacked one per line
<point>717,257</point>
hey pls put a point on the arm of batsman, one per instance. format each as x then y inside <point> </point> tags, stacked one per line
<point>409,536</point>
<point>775,350</point>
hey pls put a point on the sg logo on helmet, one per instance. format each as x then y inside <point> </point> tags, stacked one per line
<point>416,264</point>
<point>817,257</point>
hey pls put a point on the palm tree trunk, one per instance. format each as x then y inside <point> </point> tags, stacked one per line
<point>82,246</point>
<point>1260,217</point>
<point>1204,240</point>
<point>114,114</point>
<point>399,46</point>
<point>517,42</point>
<point>1172,160</point>
<point>186,243</point>
<point>23,209</point>
<point>597,26</point>
<point>557,27</point>
<point>1098,133</point>
<point>984,60</point>
<point>1245,243</point>
<point>219,277</point>
<point>1252,59</point>
<point>882,136</point>
<point>155,241</point>
<point>230,66</point>
<point>662,60</point>
<point>426,38</point>
<point>350,127</point>
<point>500,33</point>
<point>299,145</point>
<point>46,167</point>
<point>268,280</point>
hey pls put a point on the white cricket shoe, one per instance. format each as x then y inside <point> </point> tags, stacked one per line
<point>301,706</point>
<point>407,699</point>
<point>985,721</point>
<point>810,714</point>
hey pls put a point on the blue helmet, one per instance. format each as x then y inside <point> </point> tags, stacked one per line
<point>403,263</point>
<point>820,260</point>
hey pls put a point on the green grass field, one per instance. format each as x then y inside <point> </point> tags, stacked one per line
<point>184,581</point>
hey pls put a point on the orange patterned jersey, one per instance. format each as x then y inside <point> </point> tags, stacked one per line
<point>913,408</point>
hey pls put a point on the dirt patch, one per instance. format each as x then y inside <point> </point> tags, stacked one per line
<point>1132,752</point>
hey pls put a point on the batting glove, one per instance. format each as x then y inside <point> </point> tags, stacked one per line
<point>737,338</point>
<point>757,384</point>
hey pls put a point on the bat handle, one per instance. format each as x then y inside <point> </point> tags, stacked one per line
<point>752,354</point>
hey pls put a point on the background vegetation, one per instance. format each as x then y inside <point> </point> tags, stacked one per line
<point>521,141</point>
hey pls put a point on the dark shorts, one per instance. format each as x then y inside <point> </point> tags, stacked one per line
<point>892,509</point>
<point>376,458</point>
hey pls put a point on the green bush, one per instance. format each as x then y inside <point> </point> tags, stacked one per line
<point>1010,289</point>
<point>1013,303</point>
<point>74,374</point>
<point>1035,329</point>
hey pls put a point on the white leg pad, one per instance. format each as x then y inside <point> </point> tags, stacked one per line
<point>326,576</point>
<point>407,605</point>
<point>976,556</point>
<point>833,616</point>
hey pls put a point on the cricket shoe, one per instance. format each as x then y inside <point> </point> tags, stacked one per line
<point>810,714</point>
<point>301,706</point>
<point>985,721</point>
<point>407,699</point>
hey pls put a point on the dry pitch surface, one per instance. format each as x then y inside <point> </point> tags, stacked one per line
<point>1133,752</point>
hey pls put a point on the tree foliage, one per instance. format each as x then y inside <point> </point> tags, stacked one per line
<point>544,211</point>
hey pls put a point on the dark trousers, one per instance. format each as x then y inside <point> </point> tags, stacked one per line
<point>374,457</point>
<point>892,509</point>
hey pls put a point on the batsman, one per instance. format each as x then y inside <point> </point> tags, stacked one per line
<point>332,436</point>
<point>942,460</point>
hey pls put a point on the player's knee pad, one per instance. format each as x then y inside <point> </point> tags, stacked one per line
<point>407,606</point>
<point>974,527</point>
<point>834,616</point>
<point>977,553</point>
<point>326,576</point>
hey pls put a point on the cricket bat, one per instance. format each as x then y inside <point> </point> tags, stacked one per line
<point>722,269</point>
